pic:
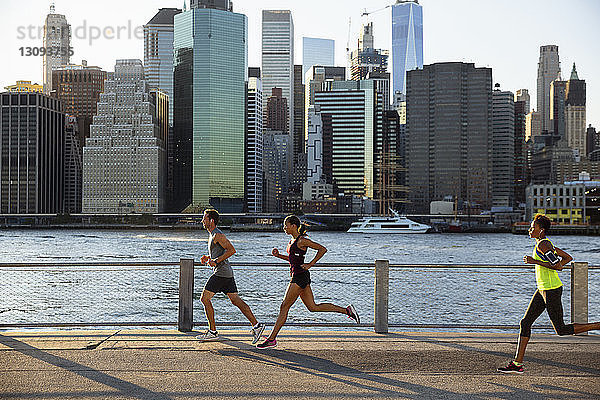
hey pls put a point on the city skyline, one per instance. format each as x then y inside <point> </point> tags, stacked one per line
<point>512,52</point>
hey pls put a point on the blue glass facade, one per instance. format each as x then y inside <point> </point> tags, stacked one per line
<point>210,71</point>
<point>316,51</point>
<point>407,41</point>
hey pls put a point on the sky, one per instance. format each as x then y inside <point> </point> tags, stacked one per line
<point>503,35</point>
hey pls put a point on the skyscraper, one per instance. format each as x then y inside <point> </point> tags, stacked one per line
<point>520,151</point>
<point>366,59</point>
<point>32,133</point>
<point>575,113</point>
<point>548,70</point>
<point>523,95</point>
<point>254,147</point>
<point>158,53</point>
<point>503,148</point>
<point>317,51</point>
<point>407,41</point>
<point>123,159</point>
<point>209,107</point>
<point>557,107</point>
<point>277,112</point>
<point>78,87</point>
<point>317,79</point>
<point>278,57</point>
<point>449,134</point>
<point>57,42</point>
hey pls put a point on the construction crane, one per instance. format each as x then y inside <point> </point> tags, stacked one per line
<point>367,13</point>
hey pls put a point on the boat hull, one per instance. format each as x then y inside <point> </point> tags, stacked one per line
<point>388,231</point>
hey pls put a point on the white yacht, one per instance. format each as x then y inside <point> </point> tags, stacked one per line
<point>395,224</point>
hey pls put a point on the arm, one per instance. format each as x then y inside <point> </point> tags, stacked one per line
<point>558,265</point>
<point>304,243</point>
<point>229,250</point>
<point>276,253</point>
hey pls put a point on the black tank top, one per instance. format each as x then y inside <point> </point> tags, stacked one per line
<point>295,256</point>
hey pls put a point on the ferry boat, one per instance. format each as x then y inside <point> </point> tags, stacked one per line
<point>394,224</point>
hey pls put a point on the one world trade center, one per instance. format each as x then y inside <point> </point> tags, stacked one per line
<point>407,41</point>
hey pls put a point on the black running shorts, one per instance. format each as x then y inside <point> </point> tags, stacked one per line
<point>302,279</point>
<point>218,284</point>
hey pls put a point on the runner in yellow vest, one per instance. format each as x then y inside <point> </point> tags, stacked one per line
<point>548,260</point>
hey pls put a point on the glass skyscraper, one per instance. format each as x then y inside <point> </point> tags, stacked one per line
<point>407,41</point>
<point>210,73</point>
<point>316,51</point>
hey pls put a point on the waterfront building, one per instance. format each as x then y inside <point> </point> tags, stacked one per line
<point>57,36</point>
<point>523,95</point>
<point>351,112</point>
<point>316,51</point>
<point>24,87</point>
<point>366,59</point>
<point>124,157</point>
<point>278,57</point>
<point>407,41</point>
<point>548,71</point>
<point>449,134</point>
<point>209,96</point>
<point>254,146</point>
<point>78,87</point>
<point>32,134</point>
<point>575,113</point>
<point>563,203</point>
<point>503,148</point>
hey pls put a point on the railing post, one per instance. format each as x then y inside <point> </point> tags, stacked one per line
<point>185,322</point>
<point>382,275</point>
<point>579,292</point>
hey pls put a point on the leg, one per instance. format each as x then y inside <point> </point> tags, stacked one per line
<point>237,301</point>
<point>208,309</point>
<point>535,309</point>
<point>309,301</point>
<point>555,312</point>
<point>291,295</point>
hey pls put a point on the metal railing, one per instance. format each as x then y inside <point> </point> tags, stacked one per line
<point>36,295</point>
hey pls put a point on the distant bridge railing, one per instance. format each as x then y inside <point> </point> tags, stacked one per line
<point>424,296</point>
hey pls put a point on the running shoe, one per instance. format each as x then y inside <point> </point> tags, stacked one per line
<point>256,332</point>
<point>208,336</point>
<point>351,311</point>
<point>511,368</point>
<point>267,343</point>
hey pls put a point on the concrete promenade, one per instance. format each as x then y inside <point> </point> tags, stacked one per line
<point>166,364</point>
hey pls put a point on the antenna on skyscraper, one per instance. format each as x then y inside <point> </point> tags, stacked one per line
<point>52,8</point>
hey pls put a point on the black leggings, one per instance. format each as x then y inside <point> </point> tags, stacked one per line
<point>546,300</point>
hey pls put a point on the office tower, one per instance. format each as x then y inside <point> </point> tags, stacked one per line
<point>407,41</point>
<point>123,159</point>
<point>575,118</point>
<point>32,133</point>
<point>254,72</point>
<point>57,37</point>
<point>277,150</point>
<point>278,57</point>
<point>277,112</point>
<point>254,145</point>
<point>224,5</point>
<point>382,85</point>
<point>557,107</point>
<point>523,95</point>
<point>448,134</point>
<point>73,167</point>
<point>78,87</point>
<point>299,141</point>
<point>548,70</point>
<point>533,125</point>
<point>316,51</point>
<point>503,148</point>
<point>351,113</point>
<point>314,145</point>
<point>365,58</point>
<point>24,87</point>
<point>158,53</point>
<point>209,108</point>
<point>318,78</point>
<point>520,151</point>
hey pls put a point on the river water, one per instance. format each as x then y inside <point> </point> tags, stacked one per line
<point>417,296</point>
